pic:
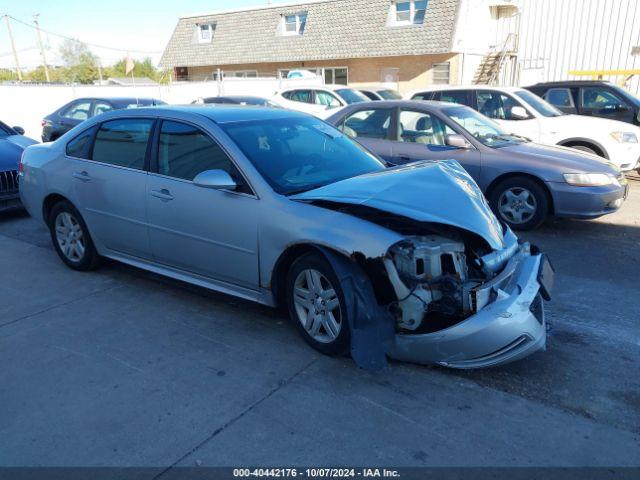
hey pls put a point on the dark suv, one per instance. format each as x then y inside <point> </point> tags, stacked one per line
<point>77,111</point>
<point>592,98</point>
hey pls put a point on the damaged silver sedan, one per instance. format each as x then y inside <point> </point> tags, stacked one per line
<point>280,208</point>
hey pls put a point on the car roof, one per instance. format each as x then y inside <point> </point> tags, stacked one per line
<point>571,83</point>
<point>220,115</point>
<point>119,99</point>
<point>426,104</point>
<point>439,88</point>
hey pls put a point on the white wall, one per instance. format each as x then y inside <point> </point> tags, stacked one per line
<point>562,35</point>
<point>27,105</point>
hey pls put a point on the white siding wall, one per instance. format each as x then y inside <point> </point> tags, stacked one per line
<point>557,36</point>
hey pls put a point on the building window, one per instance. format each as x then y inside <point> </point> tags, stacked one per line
<point>294,24</point>
<point>408,12</point>
<point>336,75</point>
<point>441,73</point>
<point>204,32</point>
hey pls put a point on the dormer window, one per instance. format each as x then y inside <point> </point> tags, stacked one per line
<point>204,32</point>
<point>294,24</point>
<point>408,12</point>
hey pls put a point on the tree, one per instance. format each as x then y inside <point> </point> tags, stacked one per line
<point>81,64</point>
<point>144,68</point>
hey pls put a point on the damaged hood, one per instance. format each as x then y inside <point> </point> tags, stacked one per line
<point>435,192</point>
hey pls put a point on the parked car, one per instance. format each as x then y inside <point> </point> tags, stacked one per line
<point>318,101</point>
<point>77,111</point>
<point>236,100</point>
<point>524,182</point>
<point>12,144</point>
<point>377,94</point>
<point>591,98</point>
<point>524,113</point>
<point>257,203</point>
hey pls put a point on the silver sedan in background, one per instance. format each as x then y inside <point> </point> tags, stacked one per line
<point>279,207</point>
<point>523,181</point>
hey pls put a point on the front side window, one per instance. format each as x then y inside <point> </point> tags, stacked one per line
<point>407,12</point>
<point>483,129</point>
<point>185,151</point>
<point>421,127</point>
<point>101,107</point>
<point>600,98</point>
<point>497,105</point>
<point>421,96</point>
<point>327,99</point>
<point>372,123</point>
<point>299,154</point>
<point>123,142</point>
<point>560,97</point>
<point>78,111</point>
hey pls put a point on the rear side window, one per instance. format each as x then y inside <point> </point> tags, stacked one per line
<point>463,97</point>
<point>184,151</point>
<point>78,110</point>
<point>560,97</point>
<point>123,142</point>
<point>79,146</point>
<point>303,96</point>
<point>422,96</point>
<point>372,123</point>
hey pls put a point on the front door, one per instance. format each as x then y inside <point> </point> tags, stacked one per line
<point>209,232</point>
<point>422,136</point>
<point>110,185</point>
<point>600,101</point>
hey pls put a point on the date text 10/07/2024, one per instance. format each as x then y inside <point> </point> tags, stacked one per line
<point>316,473</point>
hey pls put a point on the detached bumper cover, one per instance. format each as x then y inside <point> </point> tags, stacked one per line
<point>509,328</point>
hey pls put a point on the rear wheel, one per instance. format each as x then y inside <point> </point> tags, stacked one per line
<point>71,237</point>
<point>520,202</point>
<point>316,303</point>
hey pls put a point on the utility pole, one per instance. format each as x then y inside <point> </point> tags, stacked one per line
<point>44,58</point>
<point>13,47</point>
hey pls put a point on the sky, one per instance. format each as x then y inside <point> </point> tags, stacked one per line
<point>143,25</point>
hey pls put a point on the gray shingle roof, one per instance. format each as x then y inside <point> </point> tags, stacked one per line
<point>335,29</point>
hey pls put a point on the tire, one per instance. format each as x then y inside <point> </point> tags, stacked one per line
<point>71,238</point>
<point>584,148</point>
<point>520,202</point>
<point>315,306</point>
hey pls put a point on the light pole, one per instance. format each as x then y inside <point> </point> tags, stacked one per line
<point>44,58</point>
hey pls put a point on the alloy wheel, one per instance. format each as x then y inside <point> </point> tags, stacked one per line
<point>69,236</point>
<point>517,205</point>
<point>317,306</point>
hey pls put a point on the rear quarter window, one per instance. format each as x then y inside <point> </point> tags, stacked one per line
<point>79,147</point>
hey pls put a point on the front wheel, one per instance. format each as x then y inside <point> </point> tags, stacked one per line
<point>316,304</point>
<point>520,202</point>
<point>71,237</point>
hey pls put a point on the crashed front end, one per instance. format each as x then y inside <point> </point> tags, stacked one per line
<point>462,310</point>
<point>458,289</point>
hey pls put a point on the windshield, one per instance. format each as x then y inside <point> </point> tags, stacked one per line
<point>351,96</point>
<point>483,129</point>
<point>299,154</point>
<point>541,106</point>
<point>626,94</point>
<point>389,95</point>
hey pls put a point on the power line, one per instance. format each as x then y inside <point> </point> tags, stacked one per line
<point>125,50</point>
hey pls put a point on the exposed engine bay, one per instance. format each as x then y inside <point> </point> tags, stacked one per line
<point>437,281</point>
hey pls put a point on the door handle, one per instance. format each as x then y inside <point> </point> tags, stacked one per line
<point>82,176</point>
<point>163,194</point>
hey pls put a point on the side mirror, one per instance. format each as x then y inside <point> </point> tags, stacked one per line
<point>19,130</point>
<point>457,141</point>
<point>519,113</point>
<point>215,179</point>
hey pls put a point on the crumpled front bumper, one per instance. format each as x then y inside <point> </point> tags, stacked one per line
<point>509,328</point>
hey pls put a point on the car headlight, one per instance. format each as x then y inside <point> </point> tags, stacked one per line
<point>589,179</point>
<point>624,137</point>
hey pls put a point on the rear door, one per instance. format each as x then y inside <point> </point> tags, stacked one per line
<point>372,127</point>
<point>561,98</point>
<point>422,135</point>
<point>110,183</point>
<point>76,113</point>
<point>213,233</point>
